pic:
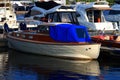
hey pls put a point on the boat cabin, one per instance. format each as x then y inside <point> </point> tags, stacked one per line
<point>95,12</point>
<point>64,14</point>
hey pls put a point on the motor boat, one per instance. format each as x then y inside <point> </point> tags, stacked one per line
<point>62,40</point>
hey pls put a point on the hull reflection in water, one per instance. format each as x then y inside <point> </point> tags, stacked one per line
<point>36,67</point>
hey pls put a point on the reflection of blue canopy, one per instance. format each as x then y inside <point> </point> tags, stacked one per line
<point>69,33</point>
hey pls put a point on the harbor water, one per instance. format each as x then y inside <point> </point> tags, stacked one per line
<point>15,65</point>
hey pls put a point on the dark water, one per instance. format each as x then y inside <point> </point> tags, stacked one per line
<point>16,65</point>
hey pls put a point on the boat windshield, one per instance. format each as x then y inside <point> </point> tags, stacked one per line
<point>95,16</point>
<point>64,17</point>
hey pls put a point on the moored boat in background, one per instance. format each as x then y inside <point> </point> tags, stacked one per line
<point>109,43</point>
<point>91,15</point>
<point>7,15</point>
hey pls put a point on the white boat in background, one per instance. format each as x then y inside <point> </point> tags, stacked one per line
<point>7,15</point>
<point>54,13</point>
<point>32,17</point>
<point>21,8</point>
<point>73,43</point>
<point>91,15</point>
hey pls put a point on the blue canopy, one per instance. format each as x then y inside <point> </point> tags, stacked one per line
<point>69,33</point>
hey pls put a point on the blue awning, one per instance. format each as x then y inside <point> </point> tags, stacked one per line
<point>69,33</point>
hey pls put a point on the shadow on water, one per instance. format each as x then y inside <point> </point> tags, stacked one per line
<point>24,66</point>
<point>109,63</point>
<point>3,49</point>
<point>109,56</point>
<point>48,68</point>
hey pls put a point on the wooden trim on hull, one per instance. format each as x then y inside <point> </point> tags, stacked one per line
<point>52,42</point>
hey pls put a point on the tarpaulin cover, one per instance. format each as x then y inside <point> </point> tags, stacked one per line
<point>69,33</point>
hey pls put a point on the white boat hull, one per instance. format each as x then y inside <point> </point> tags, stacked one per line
<point>88,51</point>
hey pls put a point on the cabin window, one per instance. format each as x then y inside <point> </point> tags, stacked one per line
<point>30,37</point>
<point>28,8</point>
<point>77,14</point>
<point>50,17</point>
<point>43,29</point>
<point>65,17</point>
<point>74,16</point>
<point>23,36</point>
<point>35,12</point>
<point>7,9</point>
<point>17,35</point>
<point>2,19</point>
<point>20,8</point>
<point>90,15</point>
<point>81,33</point>
<point>2,11</point>
<point>55,17</point>
<point>11,16</point>
<point>5,5</point>
<point>95,16</point>
<point>101,3</point>
<point>36,18</point>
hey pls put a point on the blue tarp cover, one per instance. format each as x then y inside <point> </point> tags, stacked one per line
<point>69,33</point>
